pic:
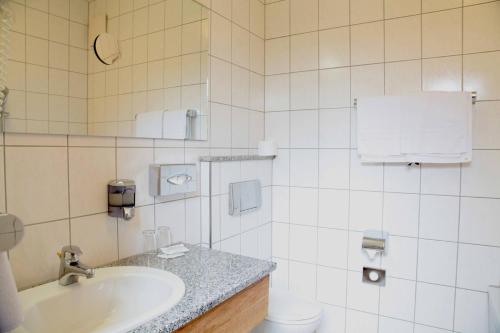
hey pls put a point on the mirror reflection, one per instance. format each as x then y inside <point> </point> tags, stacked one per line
<point>109,68</point>
<point>11,231</point>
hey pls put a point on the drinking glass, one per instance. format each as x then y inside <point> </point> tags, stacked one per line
<point>164,237</point>
<point>149,241</point>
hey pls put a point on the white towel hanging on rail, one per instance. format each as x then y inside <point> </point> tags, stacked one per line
<point>429,127</point>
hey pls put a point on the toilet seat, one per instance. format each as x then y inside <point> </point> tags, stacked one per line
<point>286,308</point>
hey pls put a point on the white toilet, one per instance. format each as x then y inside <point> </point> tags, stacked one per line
<point>288,313</point>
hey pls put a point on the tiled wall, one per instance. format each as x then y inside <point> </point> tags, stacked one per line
<point>57,184</point>
<point>47,70</point>
<point>444,245</point>
<point>248,234</point>
<point>237,74</point>
<point>163,62</point>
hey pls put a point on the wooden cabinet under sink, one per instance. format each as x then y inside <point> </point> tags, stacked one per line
<point>238,314</point>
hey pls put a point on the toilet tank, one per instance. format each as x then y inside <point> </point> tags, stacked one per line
<point>494,309</point>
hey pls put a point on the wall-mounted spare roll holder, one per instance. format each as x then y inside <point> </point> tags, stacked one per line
<point>11,234</point>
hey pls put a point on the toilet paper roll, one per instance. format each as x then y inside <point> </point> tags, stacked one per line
<point>268,148</point>
<point>10,310</point>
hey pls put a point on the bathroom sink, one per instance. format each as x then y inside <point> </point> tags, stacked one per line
<point>117,299</point>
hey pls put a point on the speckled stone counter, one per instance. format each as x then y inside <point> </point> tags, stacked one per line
<point>210,276</point>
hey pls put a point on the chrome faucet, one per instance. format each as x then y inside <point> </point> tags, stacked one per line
<point>71,268</point>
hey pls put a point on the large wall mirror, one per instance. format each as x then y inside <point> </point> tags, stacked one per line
<point>131,68</point>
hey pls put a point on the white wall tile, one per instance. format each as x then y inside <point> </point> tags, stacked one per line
<point>361,296</point>
<point>481,73</point>
<point>280,239</point>
<point>477,258</point>
<point>277,92</point>
<point>332,248</point>
<point>389,325</point>
<point>281,203</point>
<point>365,210</point>
<point>402,38</point>
<point>442,74</point>
<point>441,179</point>
<point>90,170</point>
<point>303,240</point>
<point>44,171</point>
<point>403,77</point>
<point>277,55</point>
<point>435,305</point>
<point>334,88</point>
<point>397,248</point>
<point>365,176</point>
<point>397,8</point>
<point>401,214</point>
<point>401,178</point>
<point>332,286</point>
<point>397,299</point>
<point>334,48</point>
<point>130,237</point>
<point>334,168</point>
<point>304,167</point>
<point>357,321</point>
<point>304,50</point>
<point>35,245</point>
<point>481,177</point>
<point>304,129</point>
<point>302,279</point>
<point>97,236</point>
<point>471,311</point>
<point>333,210</point>
<point>278,19</point>
<point>442,33</point>
<point>367,43</point>
<point>481,33</point>
<point>304,90</point>
<point>304,16</point>
<point>304,206</point>
<point>334,128</point>
<point>333,319</point>
<point>439,217</point>
<point>478,222</point>
<point>366,10</point>
<point>437,262</point>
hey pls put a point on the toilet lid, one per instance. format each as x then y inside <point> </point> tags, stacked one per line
<point>286,307</point>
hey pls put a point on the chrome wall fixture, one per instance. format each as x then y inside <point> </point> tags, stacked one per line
<point>172,179</point>
<point>121,198</point>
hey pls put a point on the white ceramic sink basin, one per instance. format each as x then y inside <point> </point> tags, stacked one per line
<point>117,299</point>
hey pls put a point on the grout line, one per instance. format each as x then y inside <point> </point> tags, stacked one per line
<point>349,172</point>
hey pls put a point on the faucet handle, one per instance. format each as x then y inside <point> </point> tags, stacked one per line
<point>70,253</point>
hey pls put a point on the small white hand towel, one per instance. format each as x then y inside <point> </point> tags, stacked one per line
<point>149,124</point>
<point>174,249</point>
<point>175,124</point>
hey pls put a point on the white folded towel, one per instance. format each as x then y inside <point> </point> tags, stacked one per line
<point>149,124</point>
<point>173,251</point>
<point>177,125</point>
<point>430,127</point>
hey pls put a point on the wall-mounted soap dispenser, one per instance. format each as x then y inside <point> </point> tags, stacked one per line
<point>121,198</point>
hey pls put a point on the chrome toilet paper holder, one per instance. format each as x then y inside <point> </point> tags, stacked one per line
<point>374,243</point>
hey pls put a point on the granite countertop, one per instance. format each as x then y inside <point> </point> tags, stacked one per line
<point>210,276</point>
